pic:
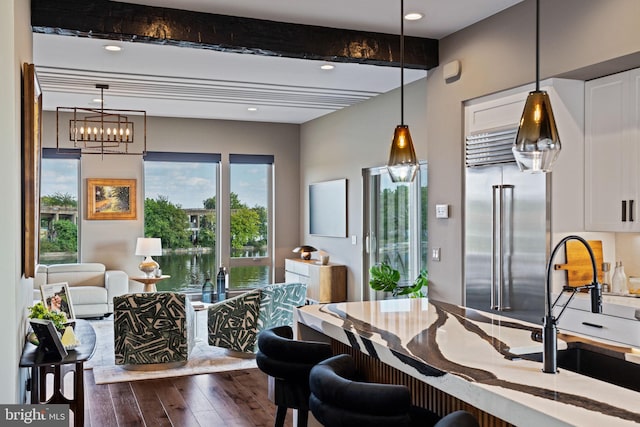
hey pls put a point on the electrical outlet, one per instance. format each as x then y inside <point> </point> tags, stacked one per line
<point>354,240</point>
<point>435,254</point>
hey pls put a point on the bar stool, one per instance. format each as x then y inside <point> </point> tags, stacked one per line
<point>337,400</point>
<point>288,363</point>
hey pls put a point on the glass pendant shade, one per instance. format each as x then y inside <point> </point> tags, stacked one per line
<point>403,162</point>
<point>537,144</point>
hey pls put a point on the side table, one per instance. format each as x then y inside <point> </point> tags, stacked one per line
<point>149,282</point>
<point>32,357</point>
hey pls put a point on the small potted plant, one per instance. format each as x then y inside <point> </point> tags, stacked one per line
<point>385,278</point>
<point>39,311</point>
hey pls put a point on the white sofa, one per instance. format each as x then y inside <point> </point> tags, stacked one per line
<point>91,286</point>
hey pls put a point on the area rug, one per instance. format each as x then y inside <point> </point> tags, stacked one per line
<point>202,360</point>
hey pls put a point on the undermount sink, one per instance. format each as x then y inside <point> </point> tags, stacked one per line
<point>596,365</point>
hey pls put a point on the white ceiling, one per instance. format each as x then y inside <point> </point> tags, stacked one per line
<point>185,82</point>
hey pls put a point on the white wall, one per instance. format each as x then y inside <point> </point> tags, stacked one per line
<point>340,145</point>
<point>113,242</point>
<point>15,49</point>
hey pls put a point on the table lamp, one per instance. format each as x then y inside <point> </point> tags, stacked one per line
<point>147,247</point>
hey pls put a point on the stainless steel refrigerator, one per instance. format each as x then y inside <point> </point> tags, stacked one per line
<point>507,224</point>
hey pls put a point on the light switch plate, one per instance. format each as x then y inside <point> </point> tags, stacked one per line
<point>435,254</point>
<point>442,211</point>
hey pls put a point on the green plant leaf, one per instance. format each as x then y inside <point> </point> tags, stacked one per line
<point>415,290</point>
<point>39,311</point>
<point>384,278</point>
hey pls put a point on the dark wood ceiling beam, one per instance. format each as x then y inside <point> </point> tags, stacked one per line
<point>138,23</point>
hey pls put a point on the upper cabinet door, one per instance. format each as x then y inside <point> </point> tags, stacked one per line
<point>611,152</point>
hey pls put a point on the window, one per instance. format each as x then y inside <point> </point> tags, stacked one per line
<point>180,207</point>
<point>59,206</point>
<point>395,219</point>
<point>249,213</point>
<point>205,221</point>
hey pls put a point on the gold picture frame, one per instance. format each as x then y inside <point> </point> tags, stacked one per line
<point>111,199</point>
<point>32,154</point>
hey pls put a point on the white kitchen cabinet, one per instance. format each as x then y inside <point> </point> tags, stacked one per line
<point>617,323</point>
<point>612,152</point>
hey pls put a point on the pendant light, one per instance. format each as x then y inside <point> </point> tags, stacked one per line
<point>537,144</point>
<point>403,162</point>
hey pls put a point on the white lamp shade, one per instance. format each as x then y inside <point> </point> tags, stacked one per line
<point>149,246</point>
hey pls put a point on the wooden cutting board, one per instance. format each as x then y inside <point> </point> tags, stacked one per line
<point>578,266</point>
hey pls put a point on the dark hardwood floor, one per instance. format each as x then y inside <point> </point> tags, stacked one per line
<point>225,399</point>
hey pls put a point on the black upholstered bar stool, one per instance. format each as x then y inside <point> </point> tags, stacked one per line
<point>337,400</point>
<point>288,363</point>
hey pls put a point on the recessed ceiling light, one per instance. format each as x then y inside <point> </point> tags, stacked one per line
<point>112,48</point>
<point>252,109</point>
<point>97,100</point>
<point>327,66</point>
<point>413,16</point>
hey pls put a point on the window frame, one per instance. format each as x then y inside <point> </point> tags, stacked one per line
<point>225,247</point>
<point>415,224</point>
<point>65,154</point>
<point>223,201</point>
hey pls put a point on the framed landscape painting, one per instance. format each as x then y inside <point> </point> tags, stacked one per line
<point>111,199</point>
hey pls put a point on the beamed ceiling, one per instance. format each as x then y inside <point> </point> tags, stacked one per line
<point>188,63</point>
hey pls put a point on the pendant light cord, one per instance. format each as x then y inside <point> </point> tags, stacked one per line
<point>402,62</point>
<point>537,45</point>
<point>102,120</point>
<point>102,100</point>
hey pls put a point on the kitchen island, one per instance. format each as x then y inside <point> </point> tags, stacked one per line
<point>453,357</point>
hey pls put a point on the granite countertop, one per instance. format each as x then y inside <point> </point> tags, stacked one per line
<point>473,356</point>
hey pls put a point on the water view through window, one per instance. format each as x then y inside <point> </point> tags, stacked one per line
<point>188,271</point>
<point>181,207</point>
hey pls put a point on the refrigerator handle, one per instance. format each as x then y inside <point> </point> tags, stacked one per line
<point>502,217</point>
<point>496,249</point>
<point>624,211</point>
<point>506,246</point>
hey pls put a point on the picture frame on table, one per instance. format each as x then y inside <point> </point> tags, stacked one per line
<point>111,199</point>
<point>56,298</point>
<point>48,340</point>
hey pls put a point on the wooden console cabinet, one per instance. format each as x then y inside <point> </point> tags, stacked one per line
<point>325,283</point>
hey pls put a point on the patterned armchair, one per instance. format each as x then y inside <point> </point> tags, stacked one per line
<point>153,330</point>
<point>235,323</point>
